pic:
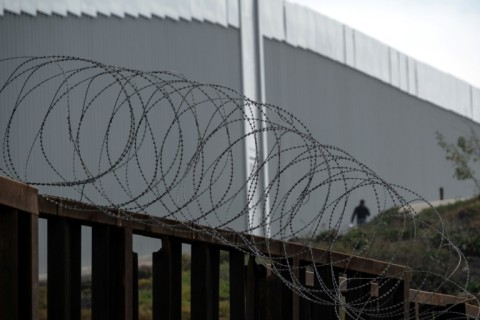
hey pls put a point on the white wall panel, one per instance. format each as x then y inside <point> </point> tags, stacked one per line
<point>144,8</point>
<point>131,7</point>
<point>403,71</point>
<point>460,98</point>
<point>184,9</point>
<point>272,19</point>
<point>291,24</point>
<point>372,57</point>
<point>328,37</point>
<point>13,6</point>
<point>73,7</point>
<point>157,10</point>
<point>412,76</point>
<point>89,7</point>
<point>59,7</point>
<point>443,89</point>
<point>349,46</point>
<point>398,70</point>
<point>170,9</point>
<point>394,68</point>
<point>475,103</point>
<point>214,11</point>
<point>303,27</point>
<point>223,12</point>
<point>233,13</point>
<point>28,6</point>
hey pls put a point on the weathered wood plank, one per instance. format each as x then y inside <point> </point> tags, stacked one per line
<point>17,195</point>
<point>28,265</point>
<point>358,297</point>
<point>204,282</point>
<point>9,263</point>
<point>237,284</point>
<point>64,269</point>
<point>167,280</point>
<point>135,301</point>
<point>111,273</point>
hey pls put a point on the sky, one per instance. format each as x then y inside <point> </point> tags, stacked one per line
<point>442,33</point>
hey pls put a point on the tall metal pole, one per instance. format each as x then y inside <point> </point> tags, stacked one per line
<point>256,147</point>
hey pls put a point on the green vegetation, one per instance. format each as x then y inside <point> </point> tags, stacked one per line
<point>464,155</point>
<point>423,242</point>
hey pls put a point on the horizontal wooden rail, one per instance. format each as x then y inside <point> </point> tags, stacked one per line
<point>438,302</point>
<point>142,224</point>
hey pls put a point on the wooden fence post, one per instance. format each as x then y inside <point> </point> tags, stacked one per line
<point>205,281</point>
<point>237,284</point>
<point>326,282</point>
<point>112,273</point>
<point>64,269</point>
<point>255,290</point>
<point>167,280</point>
<point>18,250</point>
<point>358,297</point>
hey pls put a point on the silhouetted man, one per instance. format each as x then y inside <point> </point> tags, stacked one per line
<point>361,212</point>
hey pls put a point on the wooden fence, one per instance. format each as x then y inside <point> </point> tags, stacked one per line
<point>255,292</point>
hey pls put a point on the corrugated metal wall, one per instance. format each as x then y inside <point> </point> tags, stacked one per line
<point>387,129</point>
<point>201,51</point>
<point>385,119</point>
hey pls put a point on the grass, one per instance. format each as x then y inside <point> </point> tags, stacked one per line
<point>425,242</point>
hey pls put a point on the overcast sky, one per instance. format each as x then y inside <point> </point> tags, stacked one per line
<point>443,33</point>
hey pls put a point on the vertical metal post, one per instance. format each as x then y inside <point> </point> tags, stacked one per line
<point>254,88</point>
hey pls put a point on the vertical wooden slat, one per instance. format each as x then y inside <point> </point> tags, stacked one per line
<point>101,264</point>
<point>325,292</point>
<point>28,266</point>
<point>358,296</point>
<point>135,311</point>
<point>391,302</point>
<point>64,263</point>
<point>304,304</point>
<point>279,296</point>
<point>167,280</point>
<point>456,311</point>
<point>255,290</point>
<point>111,273</point>
<point>296,298</point>
<point>237,285</point>
<point>214,275</point>
<point>250,288</point>
<point>260,274</point>
<point>204,281</point>
<point>8,263</point>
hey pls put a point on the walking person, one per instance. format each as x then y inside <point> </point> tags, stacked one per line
<point>361,212</point>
